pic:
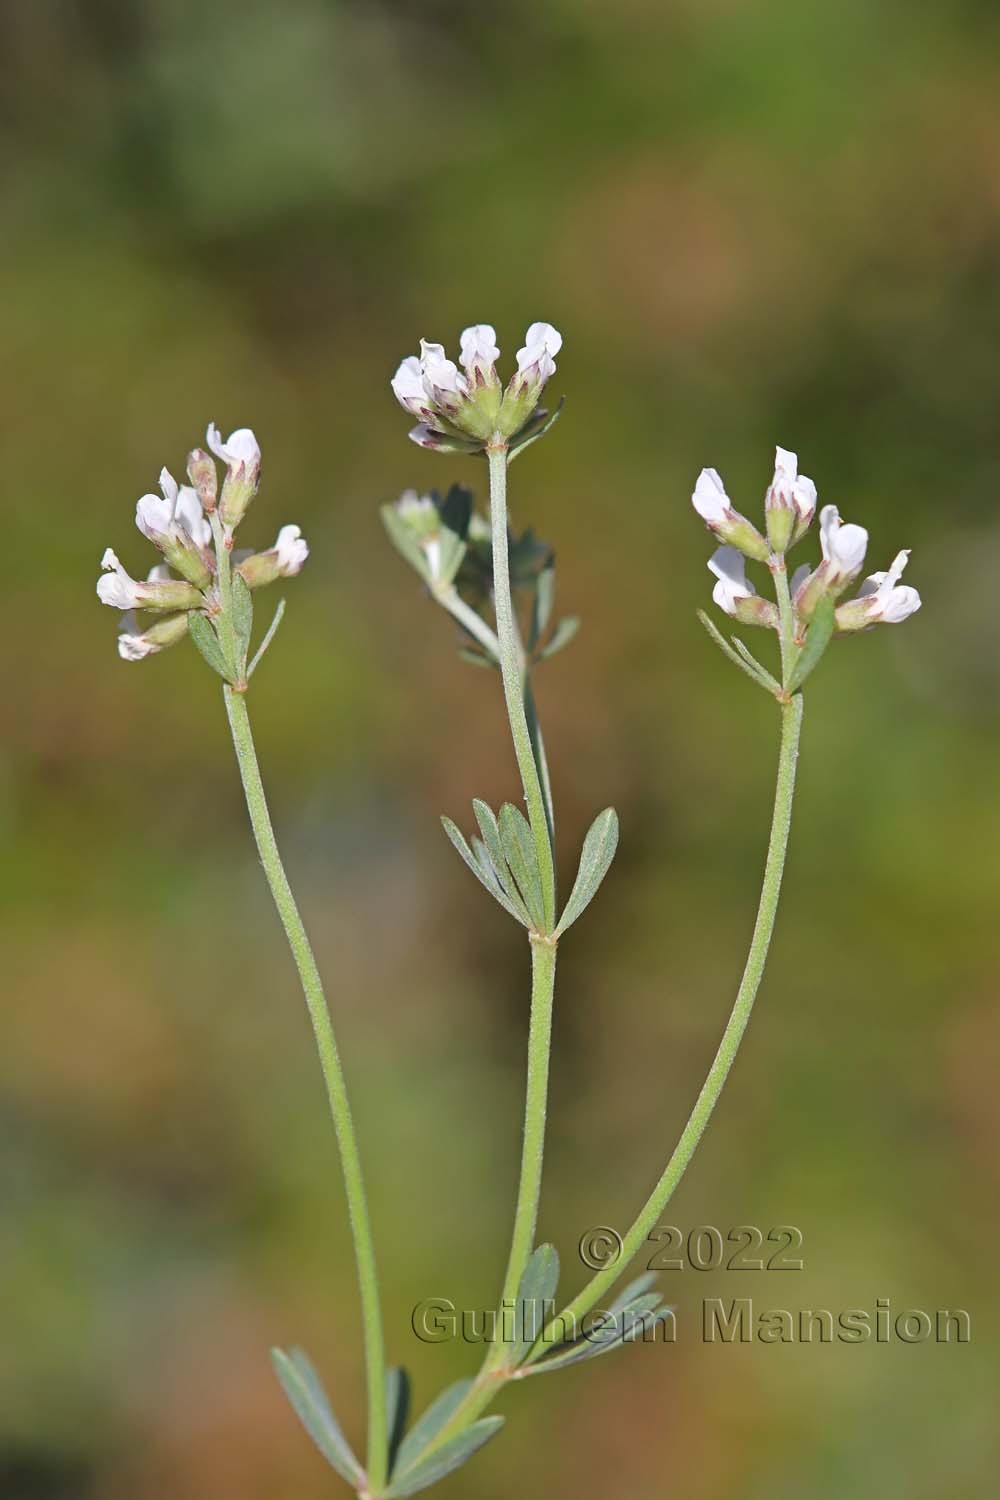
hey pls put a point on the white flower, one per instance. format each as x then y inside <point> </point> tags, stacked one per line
<point>542,343</point>
<point>881,599</point>
<point>408,387</point>
<point>240,447</point>
<point>160,591</point>
<point>460,410</point>
<point>479,352</point>
<point>135,644</point>
<point>710,499</point>
<point>789,488</point>
<point>844,547</point>
<point>117,588</point>
<point>177,517</point>
<point>291,550</point>
<point>729,567</point>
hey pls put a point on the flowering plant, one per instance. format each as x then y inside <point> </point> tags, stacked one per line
<point>500,591</point>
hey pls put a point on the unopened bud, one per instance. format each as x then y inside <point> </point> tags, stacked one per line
<point>241,453</point>
<point>202,474</point>
<point>134,645</point>
<point>734,592</point>
<point>286,558</point>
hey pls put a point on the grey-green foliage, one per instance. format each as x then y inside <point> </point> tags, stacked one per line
<point>504,861</point>
<point>534,1299</point>
<point>598,851</point>
<point>304,1390</point>
<point>632,1316</point>
<point>205,638</point>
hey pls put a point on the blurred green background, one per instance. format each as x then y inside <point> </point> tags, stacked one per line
<point>754,223</point>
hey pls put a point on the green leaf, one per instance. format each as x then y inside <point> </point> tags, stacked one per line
<point>459,841</point>
<point>475,658</point>
<point>624,1323</point>
<point>242,619</point>
<point>817,640</point>
<point>490,831</point>
<point>534,1306</point>
<point>761,671</point>
<point>304,1390</point>
<point>205,638</point>
<point>561,636</point>
<point>434,1420</point>
<point>519,851</point>
<point>397,1408</point>
<point>537,426</point>
<point>733,656</point>
<point>446,1459</point>
<point>598,851</point>
<point>545,598</point>
<point>269,635</point>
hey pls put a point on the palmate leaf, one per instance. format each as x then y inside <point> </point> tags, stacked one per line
<point>630,1319</point>
<point>304,1390</point>
<point>747,664</point>
<point>482,870</point>
<point>561,636</point>
<point>598,851</point>
<point>490,830</point>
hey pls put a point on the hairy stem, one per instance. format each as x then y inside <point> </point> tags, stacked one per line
<point>646,1220</point>
<point>333,1075</point>
<point>513,672</point>
<point>543,979</point>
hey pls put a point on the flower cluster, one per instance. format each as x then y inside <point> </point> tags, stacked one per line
<point>462,410</point>
<point>188,524</point>
<point>789,508</point>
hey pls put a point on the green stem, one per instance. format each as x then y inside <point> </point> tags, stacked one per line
<point>512,670</point>
<point>791,723</point>
<point>333,1074</point>
<point>786,619</point>
<point>543,979</point>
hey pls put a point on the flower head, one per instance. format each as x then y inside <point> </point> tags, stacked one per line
<point>460,410</point>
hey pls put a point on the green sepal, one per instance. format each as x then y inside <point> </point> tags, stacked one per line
<point>444,1460</point>
<point>535,1292</point>
<point>482,870</point>
<point>204,636</point>
<point>817,639</point>
<point>309,1401</point>
<point>242,620</point>
<point>519,852</point>
<point>595,858</point>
